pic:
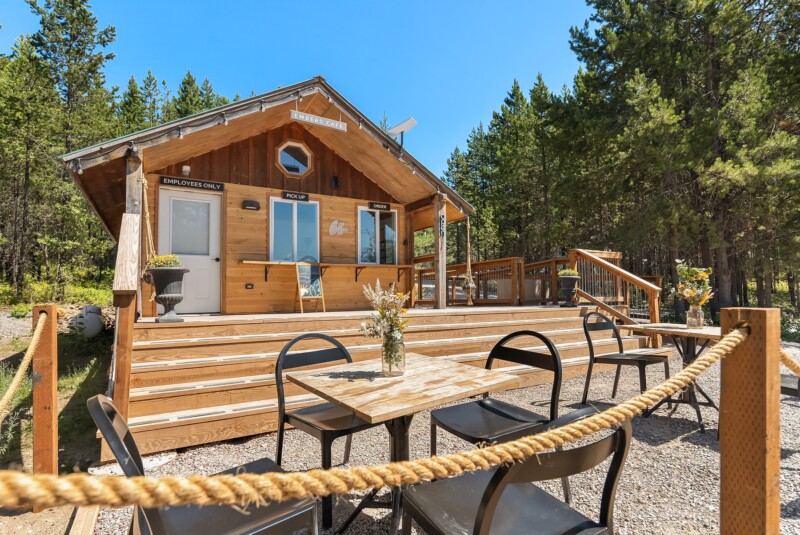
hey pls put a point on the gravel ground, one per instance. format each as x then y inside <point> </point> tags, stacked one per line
<point>14,327</point>
<point>670,483</point>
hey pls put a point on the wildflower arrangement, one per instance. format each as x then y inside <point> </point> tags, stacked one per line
<point>164,260</point>
<point>693,284</point>
<point>568,273</point>
<point>388,321</point>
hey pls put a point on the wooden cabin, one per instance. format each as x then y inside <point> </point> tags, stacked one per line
<point>245,192</point>
<point>283,206</point>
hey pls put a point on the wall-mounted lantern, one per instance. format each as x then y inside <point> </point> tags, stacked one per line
<point>249,204</point>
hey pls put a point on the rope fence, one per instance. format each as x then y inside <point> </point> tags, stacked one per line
<point>19,489</point>
<point>790,363</point>
<point>23,367</point>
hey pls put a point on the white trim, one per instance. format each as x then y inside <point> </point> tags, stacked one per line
<point>377,235</point>
<point>272,201</point>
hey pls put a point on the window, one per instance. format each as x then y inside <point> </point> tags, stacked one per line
<point>377,236</point>
<point>294,159</point>
<point>294,231</point>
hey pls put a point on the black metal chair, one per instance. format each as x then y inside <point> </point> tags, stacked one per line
<point>502,500</point>
<point>326,422</point>
<point>621,358</point>
<point>790,385</point>
<point>491,420</point>
<point>276,518</point>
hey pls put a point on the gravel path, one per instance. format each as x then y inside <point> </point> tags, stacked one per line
<point>13,327</point>
<point>670,483</point>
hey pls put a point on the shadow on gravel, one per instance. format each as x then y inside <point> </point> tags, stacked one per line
<point>364,523</point>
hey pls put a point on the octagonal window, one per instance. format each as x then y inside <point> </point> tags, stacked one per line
<point>294,158</point>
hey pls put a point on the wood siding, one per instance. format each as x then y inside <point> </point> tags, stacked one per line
<point>252,162</point>
<point>245,236</point>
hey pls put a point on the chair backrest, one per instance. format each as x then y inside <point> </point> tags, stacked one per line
<point>602,323</point>
<point>560,464</point>
<point>118,436</point>
<point>287,361</point>
<point>550,361</point>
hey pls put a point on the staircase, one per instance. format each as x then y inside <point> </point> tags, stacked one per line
<point>212,378</point>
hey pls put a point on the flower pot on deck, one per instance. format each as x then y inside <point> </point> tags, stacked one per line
<point>169,290</point>
<point>569,287</point>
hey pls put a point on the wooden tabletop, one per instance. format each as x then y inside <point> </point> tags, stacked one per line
<point>678,329</point>
<point>428,382</point>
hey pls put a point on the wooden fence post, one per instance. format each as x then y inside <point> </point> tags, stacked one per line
<point>553,282</point>
<point>123,341</point>
<point>45,394</point>
<point>750,426</point>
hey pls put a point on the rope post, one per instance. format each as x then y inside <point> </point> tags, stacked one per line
<point>749,440</point>
<point>45,394</point>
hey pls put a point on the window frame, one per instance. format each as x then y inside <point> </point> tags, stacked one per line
<point>272,201</point>
<point>302,146</point>
<point>377,235</point>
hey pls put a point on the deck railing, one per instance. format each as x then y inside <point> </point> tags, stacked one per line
<point>497,282</point>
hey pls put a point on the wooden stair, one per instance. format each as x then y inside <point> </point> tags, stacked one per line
<point>212,379</point>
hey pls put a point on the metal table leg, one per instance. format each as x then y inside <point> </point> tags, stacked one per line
<point>399,430</point>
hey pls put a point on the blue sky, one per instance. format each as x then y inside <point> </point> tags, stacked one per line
<point>446,63</point>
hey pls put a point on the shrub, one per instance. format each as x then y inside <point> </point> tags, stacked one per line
<point>568,273</point>
<point>20,310</point>
<point>87,295</point>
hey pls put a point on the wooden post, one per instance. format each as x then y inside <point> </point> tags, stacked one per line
<point>133,183</point>
<point>553,282</point>
<point>521,283</point>
<point>655,314</point>
<point>470,284</point>
<point>45,394</point>
<point>123,342</point>
<point>410,252</point>
<point>573,264</point>
<point>514,282</point>
<point>749,440</point>
<point>440,250</point>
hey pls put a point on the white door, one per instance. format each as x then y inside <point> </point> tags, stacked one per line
<point>189,227</point>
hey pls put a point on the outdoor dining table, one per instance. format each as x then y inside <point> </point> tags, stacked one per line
<point>686,341</point>
<point>426,383</point>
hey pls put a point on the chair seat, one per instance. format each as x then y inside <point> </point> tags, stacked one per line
<point>451,505</point>
<point>790,385</point>
<point>191,519</point>
<point>326,418</point>
<point>632,359</point>
<point>487,420</point>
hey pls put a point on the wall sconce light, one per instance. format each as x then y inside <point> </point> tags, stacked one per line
<point>335,182</point>
<point>248,204</point>
<point>249,286</point>
<point>186,170</point>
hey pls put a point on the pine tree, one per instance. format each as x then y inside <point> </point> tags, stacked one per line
<point>152,100</point>
<point>132,113</point>
<point>189,99</point>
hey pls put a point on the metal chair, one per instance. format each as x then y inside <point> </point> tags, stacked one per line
<point>275,518</point>
<point>790,385</point>
<point>502,500</point>
<point>491,420</point>
<point>621,358</point>
<point>326,422</point>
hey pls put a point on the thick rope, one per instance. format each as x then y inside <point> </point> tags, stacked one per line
<point>23,366</point>
<point>20,489</point>
<point>790,363</point>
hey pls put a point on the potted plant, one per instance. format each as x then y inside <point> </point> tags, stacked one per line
<point>388,323</point>
<point>166,272</point>
<point>693,286</point>
<point>568,282</point>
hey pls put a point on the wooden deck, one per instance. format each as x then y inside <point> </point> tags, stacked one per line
<point>211,377</point>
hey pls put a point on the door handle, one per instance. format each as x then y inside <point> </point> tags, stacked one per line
<point>216,259</point>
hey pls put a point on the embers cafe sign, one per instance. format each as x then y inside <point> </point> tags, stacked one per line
<point>317,120</point>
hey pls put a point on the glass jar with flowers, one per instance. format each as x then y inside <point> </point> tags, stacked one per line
<point>388,323</point>
<point>693,286</point>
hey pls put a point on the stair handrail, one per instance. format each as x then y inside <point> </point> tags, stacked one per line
<point>618,271</point>
<point>125,289</point>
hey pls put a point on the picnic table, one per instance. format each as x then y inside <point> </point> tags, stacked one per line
<point>427,383</point>
<point>686,341</point>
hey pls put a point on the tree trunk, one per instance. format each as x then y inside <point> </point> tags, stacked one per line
<point>760,297</point>
<point>767,288</point>
<point>680,310</point>
<point>723,272</point>
<point>790,281</point>
<point>745,300</point>
<point>708,261</point>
